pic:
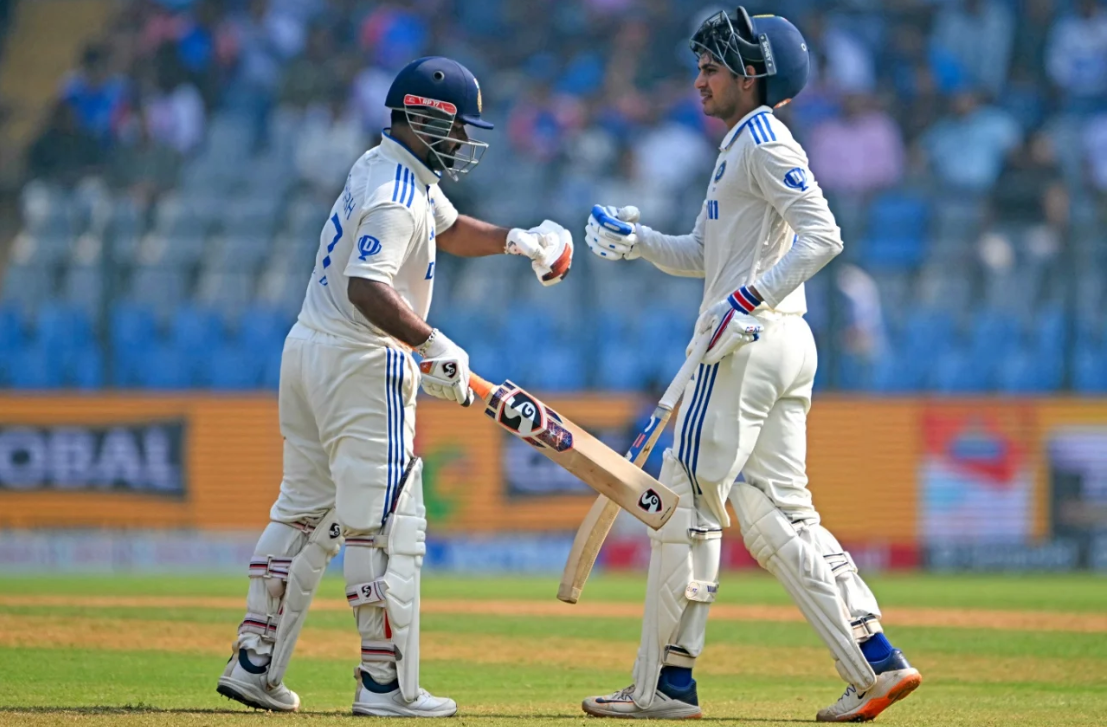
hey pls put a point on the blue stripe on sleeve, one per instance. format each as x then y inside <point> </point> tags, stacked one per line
<point>411,193</point>
<point>396,184</point>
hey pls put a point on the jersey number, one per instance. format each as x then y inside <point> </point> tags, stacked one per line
<point>330,247</point>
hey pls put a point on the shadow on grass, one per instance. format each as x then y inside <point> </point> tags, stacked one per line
<point>148,709</point>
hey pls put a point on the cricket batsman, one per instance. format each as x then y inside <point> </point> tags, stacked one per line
<point>347,399</point>
<point>764,229</point>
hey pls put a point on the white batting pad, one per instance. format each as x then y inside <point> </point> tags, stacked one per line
<point>304,575</point>
<point>278,543</point>
<point>804,573</point>
<point>403,544</point>
<point>682,582</point>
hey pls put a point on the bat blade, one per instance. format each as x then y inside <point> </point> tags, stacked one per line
<point>597,524</point>
<point>577,451</point>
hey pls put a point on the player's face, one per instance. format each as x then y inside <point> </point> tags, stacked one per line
<point>719,88</point>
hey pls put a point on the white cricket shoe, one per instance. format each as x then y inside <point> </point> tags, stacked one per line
<point>894,681</point>
<point>392,703</point>
<point>243,682</point>
<point>621,704</point>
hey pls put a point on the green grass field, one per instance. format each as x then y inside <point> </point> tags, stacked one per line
<point>147,651</point>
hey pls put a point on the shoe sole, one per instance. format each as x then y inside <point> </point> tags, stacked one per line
<point>398,713</point>
<point>641,715</point>
<point>236,696</point>
<point>874,707</point>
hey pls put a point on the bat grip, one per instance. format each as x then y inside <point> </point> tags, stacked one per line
<point>480,387</point>
<point>676,388</point>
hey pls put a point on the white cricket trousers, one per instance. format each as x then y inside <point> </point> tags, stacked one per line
<point>748,414</point>
<point>347,416</point>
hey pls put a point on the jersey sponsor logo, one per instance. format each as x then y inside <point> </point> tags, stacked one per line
<point>796,178</point>
<point>367,246</point>
<point>719,172</point>
<point>413,100</point>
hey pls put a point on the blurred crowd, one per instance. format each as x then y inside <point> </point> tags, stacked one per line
<point>195,147</point>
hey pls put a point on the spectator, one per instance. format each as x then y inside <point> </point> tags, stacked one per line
<point>308,79</point>
<point>842,61</point>
<point>144,170</point>
<point>1095,149</point>
<point>255,60</point>
<point>1076,56</point>
<point>966,149</point>
<point>330,141</point>
<point>1030,178</point>
<point>860,152</point>
<point>97,96</point>
<point>978,34</point>
<point>65,152</point>
<point>174,112</point>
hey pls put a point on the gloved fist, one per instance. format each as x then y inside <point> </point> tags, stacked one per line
<point>732,325</point>
<point>611,233</point>
<point>445,368</point>
<point>549,247</point>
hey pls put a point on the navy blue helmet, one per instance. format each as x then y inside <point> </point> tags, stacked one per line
<point>769,43</point>
<point>433,92</point>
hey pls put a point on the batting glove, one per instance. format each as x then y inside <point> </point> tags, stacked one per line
<point>732,323</point>
<point>445,368</point>
<point>611,232</point>
<point>549,247</point>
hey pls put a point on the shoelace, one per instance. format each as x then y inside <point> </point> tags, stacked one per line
<point>850,689</point>
<point>624,693</point>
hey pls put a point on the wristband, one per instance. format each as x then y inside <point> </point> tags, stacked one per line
<point>743,300</point>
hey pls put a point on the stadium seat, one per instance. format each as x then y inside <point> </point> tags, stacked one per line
<point>196,329</point>
<point>897,224</point>
<point>84,368</point>
<point>1029,372</point>
<point>83,286</point>
<point>1090,369</point>
<point>619,368</point>
<point>28,286</point>
<point>12,334</point>
<point>559,368</point>
<point>34,368</point>
<point>231,368</point>
<point>956,372</point>
<point>61,328</point>
<point>164,368</point>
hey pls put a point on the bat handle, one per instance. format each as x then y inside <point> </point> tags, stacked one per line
<point>676,388</point>
<point>480,387</point>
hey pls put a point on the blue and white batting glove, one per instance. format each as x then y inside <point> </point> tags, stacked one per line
<point>611,232</point>
<point>733,324</point>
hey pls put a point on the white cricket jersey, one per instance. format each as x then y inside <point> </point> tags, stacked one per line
<point>382,227</point>
<point>764,222</point>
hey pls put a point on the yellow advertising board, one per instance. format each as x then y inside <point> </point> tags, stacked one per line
<point>884,470</point>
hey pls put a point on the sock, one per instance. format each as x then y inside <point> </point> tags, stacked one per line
<point>373,686</point>
<point>677,676</point>
<point>876,648</point>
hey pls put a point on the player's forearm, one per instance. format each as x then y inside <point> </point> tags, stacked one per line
<point>811,250</point>
<point>674,254</point>
<point>470,237</point>
<point>384,308</point>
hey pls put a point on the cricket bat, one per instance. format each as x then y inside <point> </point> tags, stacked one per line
<point>597,524</point>
<point>571,447</point>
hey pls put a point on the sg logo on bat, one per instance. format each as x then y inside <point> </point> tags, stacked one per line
<point>650,501</point>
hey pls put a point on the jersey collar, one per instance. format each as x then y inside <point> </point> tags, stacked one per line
<point>400,152</point>
<point>732,135</point>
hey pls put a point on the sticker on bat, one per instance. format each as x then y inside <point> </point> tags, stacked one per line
<point>522,414</point>
<point>650,501</point>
